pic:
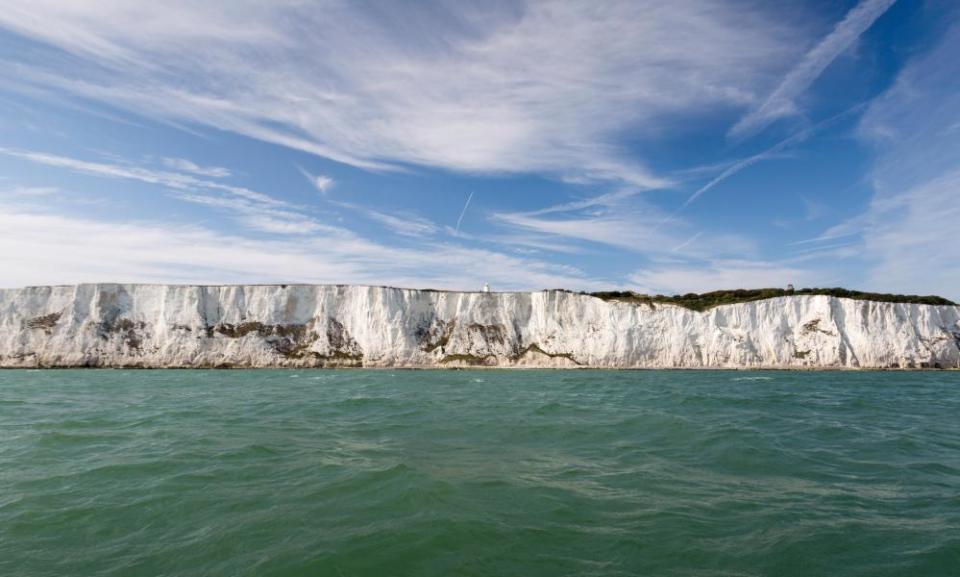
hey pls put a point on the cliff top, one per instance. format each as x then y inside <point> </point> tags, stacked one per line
<point>692,301</point>
<point>705,301</point>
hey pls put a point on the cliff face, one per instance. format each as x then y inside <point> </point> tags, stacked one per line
<point>113,325</point>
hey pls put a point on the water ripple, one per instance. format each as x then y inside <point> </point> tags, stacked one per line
<point>420,473</point>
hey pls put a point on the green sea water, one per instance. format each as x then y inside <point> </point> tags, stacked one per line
<point>500,473</point>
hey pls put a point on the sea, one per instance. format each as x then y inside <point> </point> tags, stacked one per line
<point>529,473</point>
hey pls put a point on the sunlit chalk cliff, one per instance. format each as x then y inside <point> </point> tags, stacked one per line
<point>111,325</point>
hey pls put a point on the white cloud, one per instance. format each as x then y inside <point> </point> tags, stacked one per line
<point>635,232</point>
<point>687,242</point>
<point>185,165</point>
<point>775,151</point>
<point>782,102</point>
<point>261,218</point>
<point>536,87</point>
<point>168,179</point>
<point>525,243</point>
<point>320,182</point>
<point>625,222</point>
<point>905,237</point>
<point>29,191</point>
<point>255,210</point>
<point>402,223</point>
<point>44,248</point>
<point>833,234</point>
<point>910,238</point>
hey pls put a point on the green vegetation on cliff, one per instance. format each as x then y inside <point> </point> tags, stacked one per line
<point>705,301</point>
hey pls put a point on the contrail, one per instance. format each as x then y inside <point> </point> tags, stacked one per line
<point>464,211</point>
<point>687,242</point>
<point>781,102</point>
<point>771,152</point>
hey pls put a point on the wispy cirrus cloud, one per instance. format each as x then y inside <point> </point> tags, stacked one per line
<point>908,237</point>
<point>532,87</point>
<point>624,222</point>
<point>278,241</point>
<point>174,180</point>
<point>907,231</point>
<point>184,165</point>
<point>257,217</point>
<point>28,191</point>
<point>321,182</point>
<point>402,223</point>
<point>782,101</point>
<point>621,229</point>
<point>49,248</point>
<point>255,210</point>
<point>687,242</point>
<point>775,151</point>
<point>904,236</point>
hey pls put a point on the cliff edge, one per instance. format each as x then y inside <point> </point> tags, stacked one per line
<point>115,325</point>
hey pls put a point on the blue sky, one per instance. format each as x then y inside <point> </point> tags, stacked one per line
<point>663,147</point>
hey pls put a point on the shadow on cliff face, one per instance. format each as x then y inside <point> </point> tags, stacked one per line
<point>131,333</point>
<point>45,322</point>
<point>295,340</point>
<point>477,344</point>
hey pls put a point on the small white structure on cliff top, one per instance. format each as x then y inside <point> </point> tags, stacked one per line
<point>486,287</point>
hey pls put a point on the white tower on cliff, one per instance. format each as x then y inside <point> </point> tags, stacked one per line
<point>486,287</point>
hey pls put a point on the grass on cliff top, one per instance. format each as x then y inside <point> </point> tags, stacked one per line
<point>705,301</point>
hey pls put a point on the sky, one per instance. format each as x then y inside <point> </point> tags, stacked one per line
<point>660,147</point>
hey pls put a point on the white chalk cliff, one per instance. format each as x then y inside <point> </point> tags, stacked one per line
<point>111,325</point>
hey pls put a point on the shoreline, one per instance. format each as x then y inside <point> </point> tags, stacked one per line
<point>483,368</point>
